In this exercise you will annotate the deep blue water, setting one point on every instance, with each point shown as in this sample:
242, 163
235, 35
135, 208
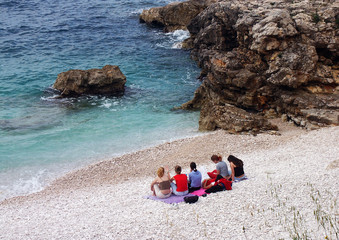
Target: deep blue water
42, 137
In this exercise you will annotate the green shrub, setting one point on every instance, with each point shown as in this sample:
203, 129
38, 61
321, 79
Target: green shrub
316, 18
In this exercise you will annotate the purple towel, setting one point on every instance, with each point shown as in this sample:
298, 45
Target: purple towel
172, 199
176, 199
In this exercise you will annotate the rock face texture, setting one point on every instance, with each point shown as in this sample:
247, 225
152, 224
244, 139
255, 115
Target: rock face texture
264, 59
176, 15
106, 81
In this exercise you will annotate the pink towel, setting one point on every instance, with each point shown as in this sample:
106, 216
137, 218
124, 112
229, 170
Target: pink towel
199, 192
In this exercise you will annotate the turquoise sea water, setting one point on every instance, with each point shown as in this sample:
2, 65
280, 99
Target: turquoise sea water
42, 137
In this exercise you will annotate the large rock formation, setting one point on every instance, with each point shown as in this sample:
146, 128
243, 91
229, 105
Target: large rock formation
176, 15
106, 81
268, 59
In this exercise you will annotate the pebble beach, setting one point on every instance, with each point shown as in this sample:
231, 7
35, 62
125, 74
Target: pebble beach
291, 191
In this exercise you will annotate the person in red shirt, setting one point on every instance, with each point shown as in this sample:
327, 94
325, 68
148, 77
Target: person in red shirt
180, 187
221, 184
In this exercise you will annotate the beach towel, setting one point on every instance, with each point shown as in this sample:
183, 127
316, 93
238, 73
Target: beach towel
239, 180
171, 200
199, 192
176, 199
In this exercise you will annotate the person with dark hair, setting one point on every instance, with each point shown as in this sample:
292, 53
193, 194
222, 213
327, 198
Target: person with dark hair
220, 172
237, 168
194, 178
221, 166
220, 184
161, 185
180, 187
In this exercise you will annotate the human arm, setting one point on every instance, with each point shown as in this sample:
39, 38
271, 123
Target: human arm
232, 170
155, 181
167, 173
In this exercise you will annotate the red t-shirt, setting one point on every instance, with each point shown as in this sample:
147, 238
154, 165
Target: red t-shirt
181, 181
228, 184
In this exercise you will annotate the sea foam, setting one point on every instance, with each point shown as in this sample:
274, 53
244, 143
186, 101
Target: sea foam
174, 39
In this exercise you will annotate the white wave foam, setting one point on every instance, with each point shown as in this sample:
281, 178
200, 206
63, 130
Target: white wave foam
106, 104
180, 35
26, 184
177, 37
31, 179
173, 40
49, 99
137, 11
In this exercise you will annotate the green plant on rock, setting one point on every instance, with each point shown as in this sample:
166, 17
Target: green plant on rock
315, 18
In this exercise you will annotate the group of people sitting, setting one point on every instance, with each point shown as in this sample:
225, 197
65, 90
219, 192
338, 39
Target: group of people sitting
180, 184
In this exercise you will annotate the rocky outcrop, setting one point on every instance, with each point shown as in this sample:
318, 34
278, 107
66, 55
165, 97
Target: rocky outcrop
232, 119
176, 15
268, 59
106, 81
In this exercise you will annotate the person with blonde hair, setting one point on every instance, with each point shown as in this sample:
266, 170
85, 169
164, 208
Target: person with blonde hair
161, 185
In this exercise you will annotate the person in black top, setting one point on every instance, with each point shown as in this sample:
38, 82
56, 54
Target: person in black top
237, 167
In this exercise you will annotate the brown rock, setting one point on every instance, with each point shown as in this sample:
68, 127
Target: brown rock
175, 15
232, 119
266, 59
106, 81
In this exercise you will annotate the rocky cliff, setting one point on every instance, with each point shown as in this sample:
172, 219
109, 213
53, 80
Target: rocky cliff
264, 59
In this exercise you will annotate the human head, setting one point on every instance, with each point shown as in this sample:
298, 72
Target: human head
236, 161
177, 169
161, 172
216, 158
193, 166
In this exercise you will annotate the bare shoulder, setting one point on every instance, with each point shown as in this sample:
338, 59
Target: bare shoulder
156, 180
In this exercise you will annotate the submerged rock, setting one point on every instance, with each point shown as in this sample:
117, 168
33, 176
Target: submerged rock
106, 81
267, 59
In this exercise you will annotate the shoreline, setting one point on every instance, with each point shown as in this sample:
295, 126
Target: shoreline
98, 201
54, 173
103, 169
